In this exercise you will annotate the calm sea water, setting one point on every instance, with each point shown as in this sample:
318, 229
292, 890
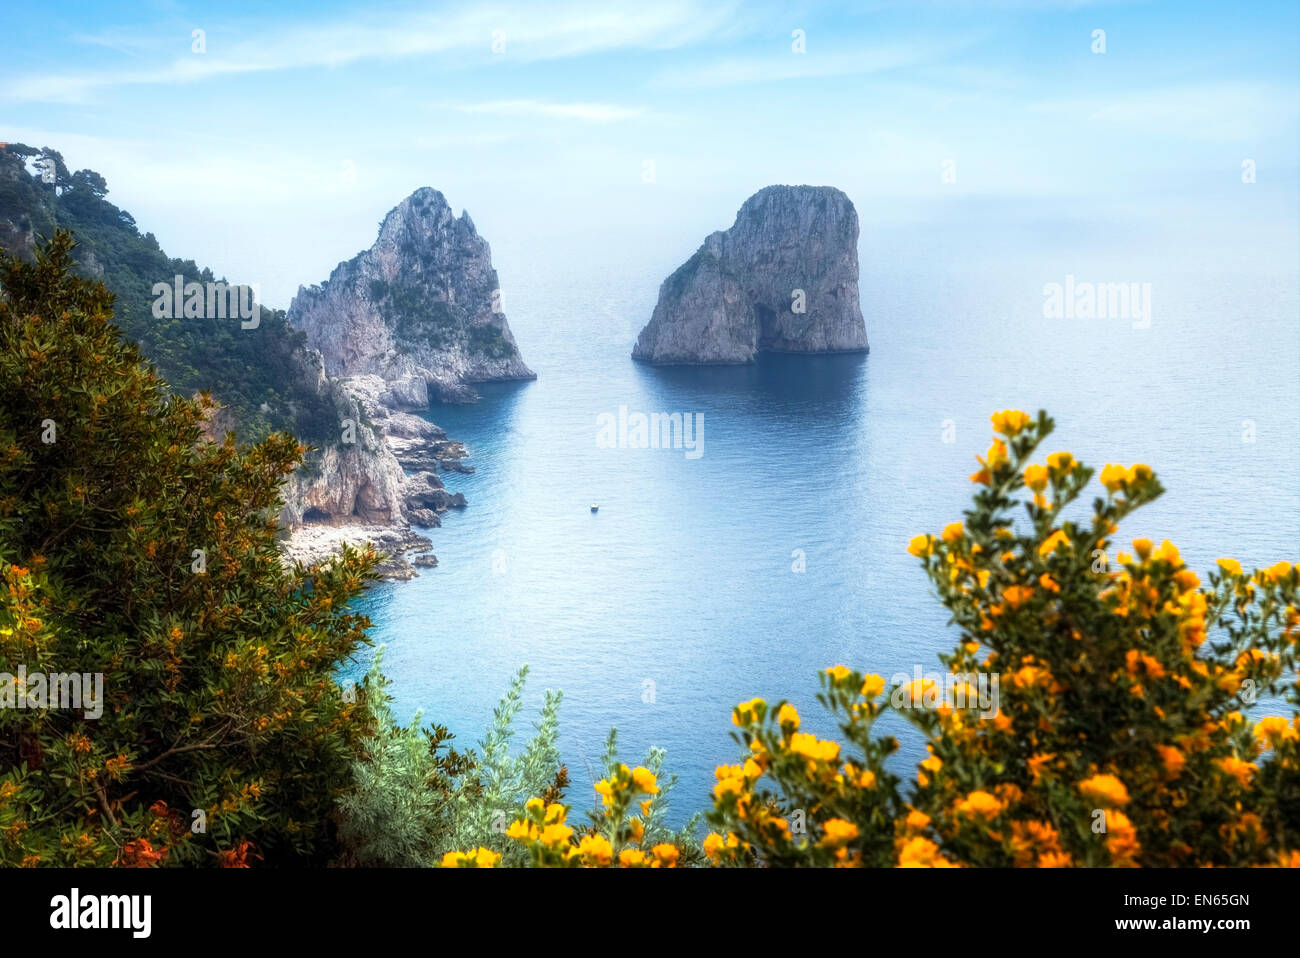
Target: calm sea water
684, 578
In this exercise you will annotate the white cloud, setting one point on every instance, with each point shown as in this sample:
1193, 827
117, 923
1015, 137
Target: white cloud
739, 71
530, 33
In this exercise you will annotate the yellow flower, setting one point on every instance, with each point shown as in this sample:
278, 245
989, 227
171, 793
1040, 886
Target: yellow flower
952, 532
1138, 473
1230, 566
595, 850
980, 804
920, 852
1168, 552
631, 857
1172, 759
1241, 771
479, 858
1276, 572
920, 546
746, 713
1036, 477
1008, 422
1105, 790
1061, 460
872, 685
556, 834
837, 831
809, 746
1272, 730
839, 673
728, 785
1017, 595
1143, 548
1113, 476
918, 821
666, 854
1053, 542
645, 780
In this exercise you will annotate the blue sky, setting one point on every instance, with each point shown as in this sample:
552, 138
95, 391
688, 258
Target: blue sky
273, 154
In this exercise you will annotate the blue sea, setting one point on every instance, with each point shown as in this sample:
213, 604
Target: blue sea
683, 585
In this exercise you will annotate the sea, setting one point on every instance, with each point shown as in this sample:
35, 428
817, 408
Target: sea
780, 548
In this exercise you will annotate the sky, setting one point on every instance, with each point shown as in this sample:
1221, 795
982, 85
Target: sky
270, 145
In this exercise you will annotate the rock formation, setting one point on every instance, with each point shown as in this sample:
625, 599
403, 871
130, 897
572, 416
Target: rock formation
421, 309
359, 491
784, 278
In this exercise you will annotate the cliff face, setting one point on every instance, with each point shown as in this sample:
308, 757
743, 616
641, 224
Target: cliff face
360, 481
421, 309
784, 278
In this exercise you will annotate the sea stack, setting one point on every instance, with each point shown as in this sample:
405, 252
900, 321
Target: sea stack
784, 278
421, 309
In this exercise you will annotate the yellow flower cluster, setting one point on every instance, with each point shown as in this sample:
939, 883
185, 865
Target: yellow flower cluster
479, 858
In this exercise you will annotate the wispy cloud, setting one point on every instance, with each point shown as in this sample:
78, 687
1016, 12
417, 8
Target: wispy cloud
586, 112
737, 71
521, 33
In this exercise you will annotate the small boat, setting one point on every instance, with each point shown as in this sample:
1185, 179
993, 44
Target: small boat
595, 508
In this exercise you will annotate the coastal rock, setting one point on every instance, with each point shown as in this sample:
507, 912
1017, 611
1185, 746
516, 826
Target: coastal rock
317, 542
783, 278
421, 310
359, 481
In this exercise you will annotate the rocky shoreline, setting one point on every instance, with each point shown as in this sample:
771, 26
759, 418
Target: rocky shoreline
374, 490
416, 317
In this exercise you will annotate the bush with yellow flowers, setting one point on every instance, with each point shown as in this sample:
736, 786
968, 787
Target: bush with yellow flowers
1119, 738
625, 831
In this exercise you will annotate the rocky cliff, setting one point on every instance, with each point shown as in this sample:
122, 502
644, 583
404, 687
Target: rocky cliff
421, 309
357, 489
783, 278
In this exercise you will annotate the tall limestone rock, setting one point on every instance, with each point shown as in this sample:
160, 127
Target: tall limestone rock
784, 278
421, 309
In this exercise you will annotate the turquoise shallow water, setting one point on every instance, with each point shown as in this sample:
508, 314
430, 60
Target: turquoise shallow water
684, 578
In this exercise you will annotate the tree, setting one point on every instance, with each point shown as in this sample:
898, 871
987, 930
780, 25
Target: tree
133, 549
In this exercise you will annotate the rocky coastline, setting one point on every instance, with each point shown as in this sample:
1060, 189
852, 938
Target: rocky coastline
416, 318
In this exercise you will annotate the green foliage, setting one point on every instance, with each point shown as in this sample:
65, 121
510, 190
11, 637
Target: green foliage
257, 373
504, 783
217, 675
414, 798
656, 829
398, 811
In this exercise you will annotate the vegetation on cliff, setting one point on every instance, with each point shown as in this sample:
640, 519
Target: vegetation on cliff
257, 373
